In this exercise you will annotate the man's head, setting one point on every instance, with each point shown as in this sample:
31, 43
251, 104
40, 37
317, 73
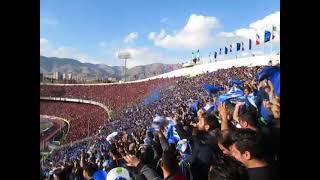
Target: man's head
88, 170
169, 163
247, 90
226, 168
224, 142
247, 146
248, 120
207, 121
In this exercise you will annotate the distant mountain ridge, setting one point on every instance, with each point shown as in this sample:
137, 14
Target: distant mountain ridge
48, 65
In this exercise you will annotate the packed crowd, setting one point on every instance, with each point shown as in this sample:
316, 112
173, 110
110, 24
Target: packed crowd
115, 96
172, 139
84, 119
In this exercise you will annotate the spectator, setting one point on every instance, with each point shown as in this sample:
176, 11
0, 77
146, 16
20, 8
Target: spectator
168, 164
248, 149
226, 168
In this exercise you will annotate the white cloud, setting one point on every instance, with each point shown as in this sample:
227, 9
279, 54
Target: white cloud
49, 50
131, 37
44, 41
196, 33
143, 56
267, 22
258, 27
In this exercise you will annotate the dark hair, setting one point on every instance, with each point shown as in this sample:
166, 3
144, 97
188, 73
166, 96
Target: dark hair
224, 137
248, 87
146, 155
227, 168
249, 140
170, 162
212, 120
250, 117
90, 168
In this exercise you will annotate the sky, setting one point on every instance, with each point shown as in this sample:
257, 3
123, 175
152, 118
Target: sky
164, 31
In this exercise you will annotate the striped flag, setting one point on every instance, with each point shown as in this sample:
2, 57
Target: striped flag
274, 29
258, 39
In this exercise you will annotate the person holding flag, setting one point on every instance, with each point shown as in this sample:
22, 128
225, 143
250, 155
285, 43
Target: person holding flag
215, 55
250, 44
193, 58
198, 55
230, 48
242, 46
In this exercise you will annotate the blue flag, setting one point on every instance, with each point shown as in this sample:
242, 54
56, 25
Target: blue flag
211, 89
235, 95
238, 46
250, 44
172, 136
225, 50
273, 74
232, 94
153, 96
267, 35
233, 82
215, 55
194, 107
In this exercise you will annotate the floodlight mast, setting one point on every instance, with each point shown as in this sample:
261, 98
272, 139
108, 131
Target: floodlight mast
125, 56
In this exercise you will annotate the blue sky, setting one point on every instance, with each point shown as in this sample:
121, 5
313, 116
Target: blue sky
164, 31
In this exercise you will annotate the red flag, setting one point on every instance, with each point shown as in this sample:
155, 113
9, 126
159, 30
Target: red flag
258, 40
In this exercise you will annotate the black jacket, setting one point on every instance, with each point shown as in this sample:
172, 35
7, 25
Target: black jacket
204, 150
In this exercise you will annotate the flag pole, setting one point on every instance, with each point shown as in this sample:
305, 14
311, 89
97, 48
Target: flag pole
271, 46
263, 46
271, 40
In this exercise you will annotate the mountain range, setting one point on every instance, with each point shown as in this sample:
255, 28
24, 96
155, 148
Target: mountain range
49, 65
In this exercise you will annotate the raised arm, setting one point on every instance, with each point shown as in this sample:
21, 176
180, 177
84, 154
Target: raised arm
149, 173
223, 113
236, 111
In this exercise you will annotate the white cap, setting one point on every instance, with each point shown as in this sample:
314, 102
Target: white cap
117, 173
111, 136
182, 145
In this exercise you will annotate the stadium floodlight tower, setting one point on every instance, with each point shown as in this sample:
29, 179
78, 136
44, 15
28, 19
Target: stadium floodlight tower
124, 55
